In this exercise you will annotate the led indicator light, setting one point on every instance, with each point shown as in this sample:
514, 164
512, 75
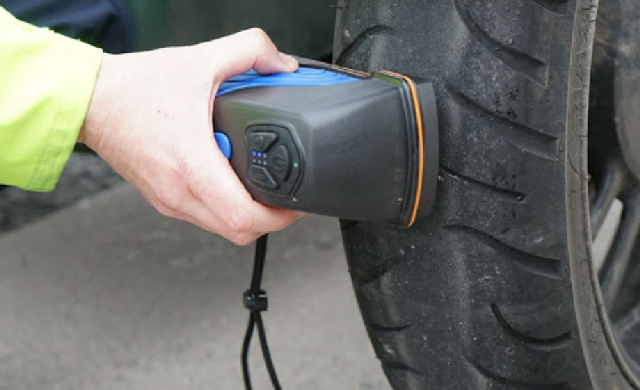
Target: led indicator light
295, 165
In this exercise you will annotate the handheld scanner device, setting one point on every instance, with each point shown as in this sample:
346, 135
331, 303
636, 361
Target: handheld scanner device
333, 141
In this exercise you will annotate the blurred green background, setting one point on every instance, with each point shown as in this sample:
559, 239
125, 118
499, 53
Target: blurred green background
302, 27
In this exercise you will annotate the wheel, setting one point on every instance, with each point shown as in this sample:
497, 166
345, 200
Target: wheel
497, 289
614, 167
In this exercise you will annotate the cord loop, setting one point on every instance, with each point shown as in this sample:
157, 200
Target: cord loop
255, 299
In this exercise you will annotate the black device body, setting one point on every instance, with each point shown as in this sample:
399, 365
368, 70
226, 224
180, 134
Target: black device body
364, 150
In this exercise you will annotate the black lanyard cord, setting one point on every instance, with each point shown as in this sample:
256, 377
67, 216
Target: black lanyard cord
255, 300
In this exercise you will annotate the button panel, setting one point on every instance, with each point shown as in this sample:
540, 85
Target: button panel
260, 141
275, 163
261, 176
280, 162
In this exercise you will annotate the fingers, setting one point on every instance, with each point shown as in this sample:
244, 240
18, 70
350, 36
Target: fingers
216, 185
201, 217
231, 202
251, 216
181, 204
239, 227
212, 197
249, 49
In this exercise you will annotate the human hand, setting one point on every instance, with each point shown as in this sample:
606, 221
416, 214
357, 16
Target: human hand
150, 118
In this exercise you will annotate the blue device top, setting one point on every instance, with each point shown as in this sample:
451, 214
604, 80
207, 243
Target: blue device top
304, 76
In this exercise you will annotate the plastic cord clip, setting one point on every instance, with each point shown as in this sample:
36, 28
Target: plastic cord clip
255, 300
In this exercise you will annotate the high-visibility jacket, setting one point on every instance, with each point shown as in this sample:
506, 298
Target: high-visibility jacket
46, 82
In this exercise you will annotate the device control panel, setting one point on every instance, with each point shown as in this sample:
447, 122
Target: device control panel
275, 163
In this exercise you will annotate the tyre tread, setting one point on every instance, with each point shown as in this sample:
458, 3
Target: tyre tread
534, 264
438, 307
511, 195
530, 67
523, 137
560, 341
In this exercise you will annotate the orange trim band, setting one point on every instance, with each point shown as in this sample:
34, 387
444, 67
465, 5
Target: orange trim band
351, 70
416, 105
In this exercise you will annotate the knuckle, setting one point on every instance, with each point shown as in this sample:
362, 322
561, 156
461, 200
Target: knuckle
181, 171
260, 37
173, 194
162, 209
241, 221
170, 199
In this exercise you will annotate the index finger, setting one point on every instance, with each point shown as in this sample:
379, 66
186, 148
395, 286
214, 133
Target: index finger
249, 49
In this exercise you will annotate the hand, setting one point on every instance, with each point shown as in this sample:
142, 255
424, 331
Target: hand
150, 118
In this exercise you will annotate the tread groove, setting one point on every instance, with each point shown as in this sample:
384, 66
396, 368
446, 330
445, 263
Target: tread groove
556, 342
523, 63
398, 366
511, 195
523, 137
369, 275
383, 328
361, 38
557, 7
513, 383
538, 265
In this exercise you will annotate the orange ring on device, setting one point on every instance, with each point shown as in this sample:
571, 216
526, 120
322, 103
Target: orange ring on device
416, 105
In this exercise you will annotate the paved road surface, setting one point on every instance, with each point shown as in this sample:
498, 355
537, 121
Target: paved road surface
109, 295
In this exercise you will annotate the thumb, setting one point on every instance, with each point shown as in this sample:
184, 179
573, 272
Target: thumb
249, 49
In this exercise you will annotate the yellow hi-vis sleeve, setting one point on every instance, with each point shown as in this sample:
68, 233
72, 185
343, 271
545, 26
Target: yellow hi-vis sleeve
46, 82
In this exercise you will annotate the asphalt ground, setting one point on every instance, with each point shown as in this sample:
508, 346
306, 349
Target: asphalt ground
98, 291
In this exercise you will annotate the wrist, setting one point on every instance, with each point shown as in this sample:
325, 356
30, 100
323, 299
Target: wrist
99, 107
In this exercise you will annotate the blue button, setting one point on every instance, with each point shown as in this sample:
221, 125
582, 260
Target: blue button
223, 143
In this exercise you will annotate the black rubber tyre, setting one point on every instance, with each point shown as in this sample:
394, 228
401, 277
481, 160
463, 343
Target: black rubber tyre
495, 290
